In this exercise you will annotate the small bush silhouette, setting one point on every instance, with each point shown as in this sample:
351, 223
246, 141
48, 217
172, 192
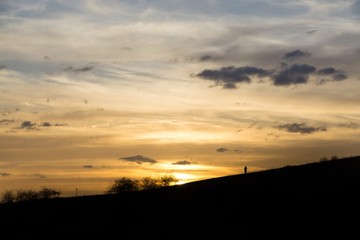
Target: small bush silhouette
123, 184
148, 183
10, 196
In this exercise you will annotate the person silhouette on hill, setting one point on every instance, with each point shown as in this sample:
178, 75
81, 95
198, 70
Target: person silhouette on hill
245, 169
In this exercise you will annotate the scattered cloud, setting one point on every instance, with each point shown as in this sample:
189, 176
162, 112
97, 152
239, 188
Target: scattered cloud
183, 162
27, 125
6, 121
208, 57
5, 174
78, 70
88, 166
222, 149
139, 159
351, 125
302, 128
335, 74
291, 56
39, 175
229, 76
293, 74
271, 136
45, 124
60, 124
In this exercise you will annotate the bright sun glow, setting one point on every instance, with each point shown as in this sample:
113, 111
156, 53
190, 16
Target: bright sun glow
183, 177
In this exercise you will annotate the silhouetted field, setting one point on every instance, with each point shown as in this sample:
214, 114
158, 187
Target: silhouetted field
312, 201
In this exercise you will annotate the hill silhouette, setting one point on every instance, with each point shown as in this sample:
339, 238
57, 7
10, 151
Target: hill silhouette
315, 200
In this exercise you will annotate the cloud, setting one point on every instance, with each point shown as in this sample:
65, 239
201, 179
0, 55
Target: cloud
184, 162
5, 174
221, 150
208, 57
293, 74
27, 125
6, 121
349, 125
302, 128
139, 159
39, 175
78, 70
88, 166
45, 124
229, 76
31, 125
335, 74
356, 6
291, 56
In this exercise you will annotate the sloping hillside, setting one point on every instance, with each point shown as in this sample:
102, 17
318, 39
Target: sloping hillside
316, 199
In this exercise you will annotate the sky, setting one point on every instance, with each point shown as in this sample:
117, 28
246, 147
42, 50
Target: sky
95, 90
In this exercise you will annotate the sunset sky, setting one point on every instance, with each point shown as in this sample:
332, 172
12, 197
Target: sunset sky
94, 90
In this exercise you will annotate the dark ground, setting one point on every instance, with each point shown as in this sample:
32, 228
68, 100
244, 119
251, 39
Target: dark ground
311, 201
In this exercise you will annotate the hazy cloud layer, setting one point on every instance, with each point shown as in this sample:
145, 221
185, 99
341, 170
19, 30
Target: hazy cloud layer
139, 159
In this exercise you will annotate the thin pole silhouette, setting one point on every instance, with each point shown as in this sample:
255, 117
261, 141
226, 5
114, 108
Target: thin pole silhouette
245, 170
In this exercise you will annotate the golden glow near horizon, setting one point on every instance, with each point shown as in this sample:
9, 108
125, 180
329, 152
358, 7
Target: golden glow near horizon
96, 90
